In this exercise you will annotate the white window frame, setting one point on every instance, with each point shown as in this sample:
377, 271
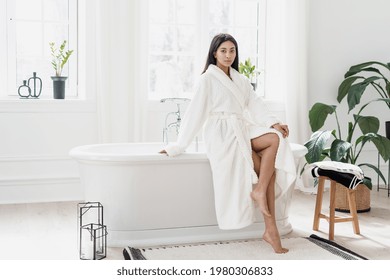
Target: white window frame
84, 62
203, 42
8, 91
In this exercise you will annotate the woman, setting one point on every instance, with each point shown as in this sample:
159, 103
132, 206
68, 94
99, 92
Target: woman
245, 145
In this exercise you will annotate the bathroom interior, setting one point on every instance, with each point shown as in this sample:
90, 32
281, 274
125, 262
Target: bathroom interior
134, 65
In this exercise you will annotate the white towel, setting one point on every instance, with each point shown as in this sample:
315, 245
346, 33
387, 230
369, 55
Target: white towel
336, 169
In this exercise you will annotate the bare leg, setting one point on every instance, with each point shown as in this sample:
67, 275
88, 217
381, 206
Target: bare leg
266, 146
271, 233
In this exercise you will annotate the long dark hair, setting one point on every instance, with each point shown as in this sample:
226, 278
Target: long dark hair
214, 45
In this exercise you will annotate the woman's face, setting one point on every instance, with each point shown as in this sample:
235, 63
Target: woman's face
225, 55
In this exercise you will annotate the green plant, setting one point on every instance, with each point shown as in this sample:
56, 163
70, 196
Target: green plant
248, 69
355, 85
347, 149
60, 57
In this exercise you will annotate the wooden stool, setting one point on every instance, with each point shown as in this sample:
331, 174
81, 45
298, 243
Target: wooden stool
332, 218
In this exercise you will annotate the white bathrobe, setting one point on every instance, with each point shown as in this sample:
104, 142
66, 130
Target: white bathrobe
232, 115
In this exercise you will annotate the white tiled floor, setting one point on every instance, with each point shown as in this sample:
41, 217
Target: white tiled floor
49, 230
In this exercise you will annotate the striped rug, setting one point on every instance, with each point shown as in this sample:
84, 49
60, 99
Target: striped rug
301, 248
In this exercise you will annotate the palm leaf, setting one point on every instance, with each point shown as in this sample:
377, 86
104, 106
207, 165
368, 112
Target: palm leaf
367, 124
318, 114
376, 169
359, 67
345, 86
356, 91
383, 146
339, 149
316, 145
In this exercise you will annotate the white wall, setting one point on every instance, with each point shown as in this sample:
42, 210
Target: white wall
343, 33
34, 146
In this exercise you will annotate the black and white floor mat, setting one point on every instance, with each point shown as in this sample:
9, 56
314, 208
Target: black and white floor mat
301, 248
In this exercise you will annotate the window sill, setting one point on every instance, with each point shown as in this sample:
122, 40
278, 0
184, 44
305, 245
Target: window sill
46, 105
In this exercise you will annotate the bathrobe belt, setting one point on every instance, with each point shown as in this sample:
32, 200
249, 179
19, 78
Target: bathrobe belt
226, 115
243, 143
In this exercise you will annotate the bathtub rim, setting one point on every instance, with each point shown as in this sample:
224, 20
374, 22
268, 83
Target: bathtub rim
83, 155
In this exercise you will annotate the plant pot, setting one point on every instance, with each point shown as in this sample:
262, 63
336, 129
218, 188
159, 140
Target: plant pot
388, 129
59, 87
363, 199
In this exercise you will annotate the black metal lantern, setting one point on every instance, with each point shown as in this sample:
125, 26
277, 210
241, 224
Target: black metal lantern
92, 231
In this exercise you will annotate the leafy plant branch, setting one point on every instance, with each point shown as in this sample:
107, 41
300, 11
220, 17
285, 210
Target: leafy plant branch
60, 57
354, 86
248, 69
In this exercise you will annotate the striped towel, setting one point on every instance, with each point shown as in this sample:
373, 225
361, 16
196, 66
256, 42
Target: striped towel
346, 174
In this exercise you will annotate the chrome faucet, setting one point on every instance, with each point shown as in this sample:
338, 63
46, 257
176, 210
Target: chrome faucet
177, 114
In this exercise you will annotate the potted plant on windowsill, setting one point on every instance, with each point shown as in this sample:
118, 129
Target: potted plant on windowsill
347, 148
249, 70
60, 58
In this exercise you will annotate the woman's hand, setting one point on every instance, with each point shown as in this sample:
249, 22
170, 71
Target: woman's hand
282, 128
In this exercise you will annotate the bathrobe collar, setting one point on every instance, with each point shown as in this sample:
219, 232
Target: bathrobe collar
231, 84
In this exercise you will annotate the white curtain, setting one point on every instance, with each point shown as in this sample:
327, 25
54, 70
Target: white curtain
120, 108
296, 84
287, 62
287, 25
295, 70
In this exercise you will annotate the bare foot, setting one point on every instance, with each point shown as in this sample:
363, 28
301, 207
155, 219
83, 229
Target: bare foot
261, 201
274, 241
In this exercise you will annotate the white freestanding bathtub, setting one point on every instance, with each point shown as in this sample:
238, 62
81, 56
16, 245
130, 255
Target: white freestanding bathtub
152, 199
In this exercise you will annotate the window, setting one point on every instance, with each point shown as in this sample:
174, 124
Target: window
30, 26
180, 32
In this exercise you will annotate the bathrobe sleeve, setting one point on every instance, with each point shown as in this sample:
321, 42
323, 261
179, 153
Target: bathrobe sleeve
258, 111
194, 118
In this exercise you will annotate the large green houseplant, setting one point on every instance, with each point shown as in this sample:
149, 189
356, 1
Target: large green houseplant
347, 147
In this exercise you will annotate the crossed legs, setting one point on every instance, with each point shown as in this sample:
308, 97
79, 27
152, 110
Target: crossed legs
264, 150
265, 147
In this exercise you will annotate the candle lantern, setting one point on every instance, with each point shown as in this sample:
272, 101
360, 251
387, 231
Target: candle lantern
92, 231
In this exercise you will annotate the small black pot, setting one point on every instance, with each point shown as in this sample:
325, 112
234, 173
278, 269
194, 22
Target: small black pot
388, 129
59, 87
